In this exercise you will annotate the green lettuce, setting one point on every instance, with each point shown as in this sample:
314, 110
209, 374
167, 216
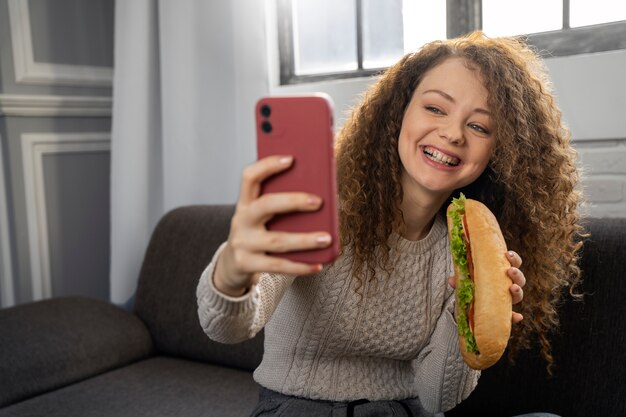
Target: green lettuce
465, 286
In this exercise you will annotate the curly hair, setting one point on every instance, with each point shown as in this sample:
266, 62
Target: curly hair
530, 183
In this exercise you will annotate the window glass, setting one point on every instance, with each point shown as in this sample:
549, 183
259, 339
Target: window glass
424, 21
322, 39
382, 32
586, 12
324, 36
514, 17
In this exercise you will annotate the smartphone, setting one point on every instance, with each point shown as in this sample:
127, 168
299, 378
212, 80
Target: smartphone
301, 126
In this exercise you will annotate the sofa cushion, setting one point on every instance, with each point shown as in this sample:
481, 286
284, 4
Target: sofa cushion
158, 386
53, 343
181, 247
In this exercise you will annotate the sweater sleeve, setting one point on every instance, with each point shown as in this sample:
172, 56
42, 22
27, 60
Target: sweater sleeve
443, 378
228, 319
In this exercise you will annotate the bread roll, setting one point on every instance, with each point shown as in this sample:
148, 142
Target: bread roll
492, 303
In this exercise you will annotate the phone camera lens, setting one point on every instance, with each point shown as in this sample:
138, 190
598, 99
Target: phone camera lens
266, 110
266, 127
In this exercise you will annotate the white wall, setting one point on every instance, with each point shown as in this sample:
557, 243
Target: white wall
592, 94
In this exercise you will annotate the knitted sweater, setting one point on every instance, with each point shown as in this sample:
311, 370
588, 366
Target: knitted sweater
395, 338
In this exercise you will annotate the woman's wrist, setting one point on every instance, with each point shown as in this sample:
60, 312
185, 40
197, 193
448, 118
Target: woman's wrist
229, 291
220, 282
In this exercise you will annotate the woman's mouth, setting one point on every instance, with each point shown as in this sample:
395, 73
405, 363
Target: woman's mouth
439, 157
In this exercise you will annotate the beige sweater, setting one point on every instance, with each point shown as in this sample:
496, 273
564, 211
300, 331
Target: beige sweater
323, 342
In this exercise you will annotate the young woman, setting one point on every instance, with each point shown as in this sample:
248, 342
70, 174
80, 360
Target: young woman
374, 333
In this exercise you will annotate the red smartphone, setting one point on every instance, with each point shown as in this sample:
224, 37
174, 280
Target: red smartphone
301, 126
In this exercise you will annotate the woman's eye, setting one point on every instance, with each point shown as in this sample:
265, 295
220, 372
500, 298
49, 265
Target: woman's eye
434, 110
479, 128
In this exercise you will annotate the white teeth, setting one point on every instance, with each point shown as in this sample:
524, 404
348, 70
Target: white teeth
437, 156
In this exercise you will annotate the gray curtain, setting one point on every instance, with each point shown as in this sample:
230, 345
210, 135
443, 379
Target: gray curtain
187, 76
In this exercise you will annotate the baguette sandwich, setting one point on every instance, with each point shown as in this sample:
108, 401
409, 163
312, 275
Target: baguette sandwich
483, 299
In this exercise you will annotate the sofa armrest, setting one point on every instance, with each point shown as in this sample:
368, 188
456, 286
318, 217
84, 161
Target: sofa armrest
49, 344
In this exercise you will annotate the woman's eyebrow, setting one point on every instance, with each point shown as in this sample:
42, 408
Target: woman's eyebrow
441, 93
451, 99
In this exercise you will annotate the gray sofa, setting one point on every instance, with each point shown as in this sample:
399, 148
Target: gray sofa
82, 357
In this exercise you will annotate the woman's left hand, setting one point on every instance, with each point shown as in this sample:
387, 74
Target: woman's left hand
519, 280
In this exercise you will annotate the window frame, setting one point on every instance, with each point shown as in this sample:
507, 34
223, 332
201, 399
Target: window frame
463, 16
287, 57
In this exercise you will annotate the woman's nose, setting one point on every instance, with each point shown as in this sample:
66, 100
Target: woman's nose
453, 132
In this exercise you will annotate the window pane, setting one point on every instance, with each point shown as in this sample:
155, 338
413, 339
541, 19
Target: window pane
593, 12
382, 32
324, 36
514, 17
424, 21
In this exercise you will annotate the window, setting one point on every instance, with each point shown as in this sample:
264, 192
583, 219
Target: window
326, 39
330, 39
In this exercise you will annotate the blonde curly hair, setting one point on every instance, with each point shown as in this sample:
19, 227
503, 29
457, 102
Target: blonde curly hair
530, 183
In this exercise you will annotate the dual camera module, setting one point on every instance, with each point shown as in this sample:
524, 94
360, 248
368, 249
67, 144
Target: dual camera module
266, 111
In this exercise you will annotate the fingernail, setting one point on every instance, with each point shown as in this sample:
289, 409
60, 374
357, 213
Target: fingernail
313, 200
285, 160
511, 254
323, 239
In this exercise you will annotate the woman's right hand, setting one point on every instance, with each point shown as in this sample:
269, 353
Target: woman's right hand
249, 241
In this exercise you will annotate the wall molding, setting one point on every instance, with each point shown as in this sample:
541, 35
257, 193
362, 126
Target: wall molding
7, 291
34, 147
30, 105
28, 71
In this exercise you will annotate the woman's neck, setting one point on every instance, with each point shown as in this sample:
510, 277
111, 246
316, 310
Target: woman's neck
419, 214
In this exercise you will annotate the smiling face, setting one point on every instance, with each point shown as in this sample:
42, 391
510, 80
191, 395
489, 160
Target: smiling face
446, 138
